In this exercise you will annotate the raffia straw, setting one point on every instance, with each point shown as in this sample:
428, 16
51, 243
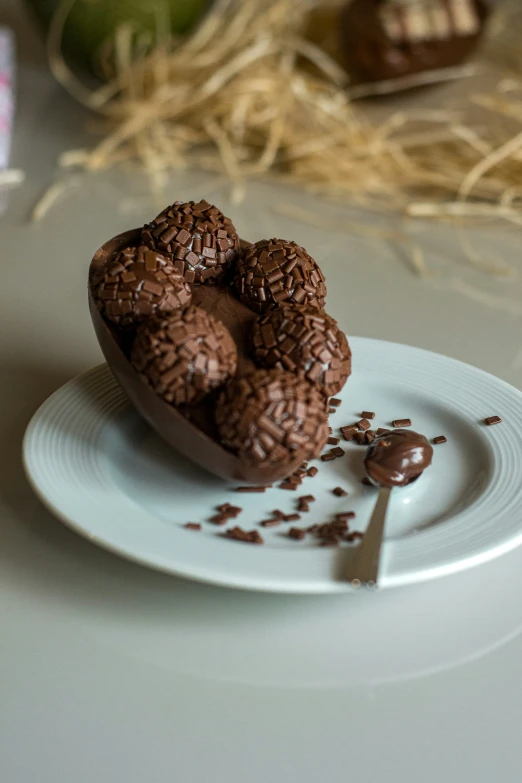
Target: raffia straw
248, 95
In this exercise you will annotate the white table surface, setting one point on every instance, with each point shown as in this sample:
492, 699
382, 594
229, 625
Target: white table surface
109, 672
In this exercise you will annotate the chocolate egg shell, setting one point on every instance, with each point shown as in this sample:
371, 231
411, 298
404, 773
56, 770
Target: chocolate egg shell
387, 39
195, 437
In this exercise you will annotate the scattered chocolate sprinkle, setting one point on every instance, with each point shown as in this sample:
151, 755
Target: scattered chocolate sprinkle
313, 528
348, 433
368, 415
250, 489
440, 439
278, 514
370, 436
344, 515
330, 542
274, 272
288, 485
328, 457
335, 402
360, 437
248, 536
333, 441
193, 526
382, 431
339, 492
492, 420
332, 410
303, 507
292, 517
355, 536
313, 471
363, 425
296, 533
270, 523
338, 452
308, 498
219, 519
400, 423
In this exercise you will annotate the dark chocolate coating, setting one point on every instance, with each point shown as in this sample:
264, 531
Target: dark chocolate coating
397, 458
138, 283
192, 431
275, 272
371, 55
199, 239
305, 341
269, 415
185, 355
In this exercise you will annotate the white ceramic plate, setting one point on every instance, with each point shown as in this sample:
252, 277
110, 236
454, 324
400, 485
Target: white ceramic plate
105, 473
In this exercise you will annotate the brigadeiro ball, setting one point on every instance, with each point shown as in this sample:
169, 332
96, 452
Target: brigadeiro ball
201, 242
269, 417
184, 356
138, 283
306, 341
274, 272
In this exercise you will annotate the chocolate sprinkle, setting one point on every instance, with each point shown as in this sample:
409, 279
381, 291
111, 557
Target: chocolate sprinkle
306, 341
250, 489
274, 271
192, 526
400, 423
296, 533
339, 492
270, 417
368, 415
201, 242
440, 439
185, 355
492, 420
247, 536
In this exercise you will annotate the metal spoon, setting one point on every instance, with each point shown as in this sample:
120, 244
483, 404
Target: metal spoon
364, 569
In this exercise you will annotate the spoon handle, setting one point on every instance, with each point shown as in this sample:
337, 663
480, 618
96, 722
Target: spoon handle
365, 565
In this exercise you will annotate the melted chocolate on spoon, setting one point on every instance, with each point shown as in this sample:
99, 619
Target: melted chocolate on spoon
397, 458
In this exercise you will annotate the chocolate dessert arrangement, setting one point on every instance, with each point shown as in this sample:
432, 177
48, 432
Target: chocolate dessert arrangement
388, 39
223, 346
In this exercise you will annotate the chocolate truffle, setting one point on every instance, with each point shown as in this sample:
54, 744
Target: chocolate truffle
397, 458
138, 283
274, 272
306, 341
387, 39
269, 417
185, 355
201, 242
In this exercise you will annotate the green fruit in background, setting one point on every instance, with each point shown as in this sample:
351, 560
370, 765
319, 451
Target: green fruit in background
91, 24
